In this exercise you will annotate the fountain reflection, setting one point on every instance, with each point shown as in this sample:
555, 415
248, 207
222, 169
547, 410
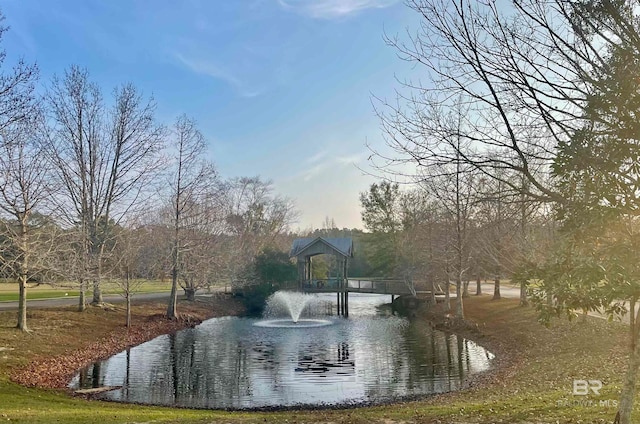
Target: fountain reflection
287, 323
331, 362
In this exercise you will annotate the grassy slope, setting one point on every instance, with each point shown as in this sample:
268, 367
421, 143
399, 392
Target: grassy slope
537, 367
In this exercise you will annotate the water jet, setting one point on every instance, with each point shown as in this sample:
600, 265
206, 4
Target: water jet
288, 303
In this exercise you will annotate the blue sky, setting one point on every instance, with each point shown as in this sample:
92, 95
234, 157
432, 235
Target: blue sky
280, 88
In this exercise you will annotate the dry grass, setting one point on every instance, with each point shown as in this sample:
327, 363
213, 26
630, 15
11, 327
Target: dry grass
531, 384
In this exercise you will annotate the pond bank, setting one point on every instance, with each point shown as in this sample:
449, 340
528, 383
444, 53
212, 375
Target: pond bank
55, 372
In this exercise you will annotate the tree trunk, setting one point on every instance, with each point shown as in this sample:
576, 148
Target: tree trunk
459, 300
432, 294
173, 297
628, 391
496, 288
97, 291
465, 290
190, 294
172, 312
82, 303
447, 297
128, 298
128, 309
24, 274
478, 286
96, 374
524, 301
22, 304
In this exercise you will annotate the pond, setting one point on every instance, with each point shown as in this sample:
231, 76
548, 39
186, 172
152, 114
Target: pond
238, 363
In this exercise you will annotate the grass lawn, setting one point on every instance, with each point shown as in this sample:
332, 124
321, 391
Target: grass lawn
532, 381
9, 291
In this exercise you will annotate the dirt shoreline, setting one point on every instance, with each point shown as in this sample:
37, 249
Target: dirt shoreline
55, 372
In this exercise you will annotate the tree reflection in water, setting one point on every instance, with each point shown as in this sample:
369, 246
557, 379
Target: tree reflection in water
230, 363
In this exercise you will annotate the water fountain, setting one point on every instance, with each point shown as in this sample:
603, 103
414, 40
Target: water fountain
290, 305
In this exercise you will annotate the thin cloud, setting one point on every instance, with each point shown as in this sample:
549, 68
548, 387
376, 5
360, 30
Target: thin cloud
331, 9
314, 171
349, 159
321, 164
317, 157
214, 71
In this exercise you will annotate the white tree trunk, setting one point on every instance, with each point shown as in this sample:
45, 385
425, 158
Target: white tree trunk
22, 304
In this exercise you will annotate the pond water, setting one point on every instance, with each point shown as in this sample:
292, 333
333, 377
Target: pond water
238, 363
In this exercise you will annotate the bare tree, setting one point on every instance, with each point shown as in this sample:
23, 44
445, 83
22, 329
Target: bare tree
453, 189
16, 89
420, 239
550, 87
494, 226
450, 180
24, 186
516, 75
202, 259
190, 185
19, 186
153, 236
105, 158
256, 218
122, 262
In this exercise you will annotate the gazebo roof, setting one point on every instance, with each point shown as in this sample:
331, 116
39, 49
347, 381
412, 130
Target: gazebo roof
341, 245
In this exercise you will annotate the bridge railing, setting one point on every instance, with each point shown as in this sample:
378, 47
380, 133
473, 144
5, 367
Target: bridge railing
355, 285
382, 286
321, 284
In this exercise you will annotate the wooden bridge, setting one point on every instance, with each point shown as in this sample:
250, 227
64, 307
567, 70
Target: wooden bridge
342, 250
391, 287
353, 285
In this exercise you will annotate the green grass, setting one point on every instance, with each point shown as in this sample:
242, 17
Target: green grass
41, 294
536, 368
9, 290
20, 405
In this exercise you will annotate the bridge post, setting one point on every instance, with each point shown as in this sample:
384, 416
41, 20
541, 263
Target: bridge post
346, 303
302, 272
338, 311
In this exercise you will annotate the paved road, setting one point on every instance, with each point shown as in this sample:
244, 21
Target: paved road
73, 301
512, 292
506, 290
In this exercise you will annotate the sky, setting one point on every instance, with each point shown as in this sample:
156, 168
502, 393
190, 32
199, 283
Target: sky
280, 88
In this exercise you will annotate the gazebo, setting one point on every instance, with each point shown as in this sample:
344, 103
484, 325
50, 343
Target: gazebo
304, 249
